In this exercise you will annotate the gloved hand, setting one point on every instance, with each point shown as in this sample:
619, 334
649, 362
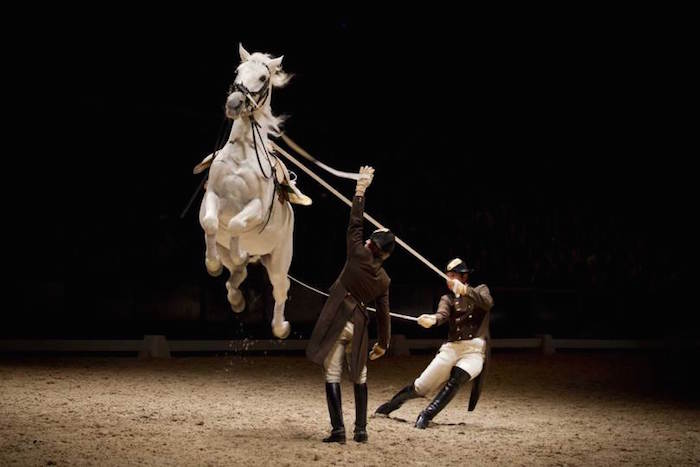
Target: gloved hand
376, 352
457, 287
366, 176
427, 321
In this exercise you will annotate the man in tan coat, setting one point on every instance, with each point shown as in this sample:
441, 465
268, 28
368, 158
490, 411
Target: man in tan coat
340, 334
463, 357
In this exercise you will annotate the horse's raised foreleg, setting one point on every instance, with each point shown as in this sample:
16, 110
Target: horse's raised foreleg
249, 217
239, 271
277, 264
209, 220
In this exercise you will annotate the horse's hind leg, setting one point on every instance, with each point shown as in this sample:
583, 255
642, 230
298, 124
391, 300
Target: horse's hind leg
239, 271
277, 264
209, 220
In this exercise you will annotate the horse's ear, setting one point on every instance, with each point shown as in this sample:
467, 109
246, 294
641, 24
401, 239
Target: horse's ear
275, 63
243, 53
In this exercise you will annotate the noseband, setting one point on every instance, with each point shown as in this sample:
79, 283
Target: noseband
254, 99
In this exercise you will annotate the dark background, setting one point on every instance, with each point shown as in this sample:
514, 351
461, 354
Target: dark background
544, 147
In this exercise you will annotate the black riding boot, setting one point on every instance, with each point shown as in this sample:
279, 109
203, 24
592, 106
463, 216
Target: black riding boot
360, 413
409, 392
335, 410
457, 377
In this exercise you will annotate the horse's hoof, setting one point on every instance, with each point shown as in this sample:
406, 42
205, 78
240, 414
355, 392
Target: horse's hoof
236, 299
214, 267
237, 305
282, 332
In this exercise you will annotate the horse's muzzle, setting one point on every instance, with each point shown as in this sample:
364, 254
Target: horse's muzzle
234, 104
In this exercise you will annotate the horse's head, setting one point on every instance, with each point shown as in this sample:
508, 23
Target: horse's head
255, 77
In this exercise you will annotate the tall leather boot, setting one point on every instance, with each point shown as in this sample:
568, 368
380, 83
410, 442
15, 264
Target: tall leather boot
335, 410
409, 392
360, 413
457, 377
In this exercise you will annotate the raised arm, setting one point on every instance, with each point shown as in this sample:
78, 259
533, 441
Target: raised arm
355, 225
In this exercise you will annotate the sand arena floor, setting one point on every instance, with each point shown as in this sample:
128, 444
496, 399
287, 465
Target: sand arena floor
566, 409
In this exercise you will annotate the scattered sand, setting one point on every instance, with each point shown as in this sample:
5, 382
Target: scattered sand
567, 409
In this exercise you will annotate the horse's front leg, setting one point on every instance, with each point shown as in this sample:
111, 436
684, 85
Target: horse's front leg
249, 217
209, 220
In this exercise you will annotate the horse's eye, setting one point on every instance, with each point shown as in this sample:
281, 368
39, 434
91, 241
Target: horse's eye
263, 78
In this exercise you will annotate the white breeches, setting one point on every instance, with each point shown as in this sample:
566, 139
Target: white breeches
466, 354
341, 351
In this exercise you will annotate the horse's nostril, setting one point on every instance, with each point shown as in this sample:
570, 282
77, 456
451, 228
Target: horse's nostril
234, 102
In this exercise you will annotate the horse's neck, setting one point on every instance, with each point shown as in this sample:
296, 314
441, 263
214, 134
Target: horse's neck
242, 132
249, 152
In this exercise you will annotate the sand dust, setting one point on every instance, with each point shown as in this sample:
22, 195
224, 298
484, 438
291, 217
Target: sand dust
566, 409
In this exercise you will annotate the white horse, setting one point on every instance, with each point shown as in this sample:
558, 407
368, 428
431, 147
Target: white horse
245, 212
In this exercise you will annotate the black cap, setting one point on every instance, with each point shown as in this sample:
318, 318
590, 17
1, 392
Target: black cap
459, 266
384, 240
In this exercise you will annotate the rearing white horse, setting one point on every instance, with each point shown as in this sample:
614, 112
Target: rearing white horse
245, 212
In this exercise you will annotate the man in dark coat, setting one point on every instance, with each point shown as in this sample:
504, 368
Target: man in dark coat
341, 330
